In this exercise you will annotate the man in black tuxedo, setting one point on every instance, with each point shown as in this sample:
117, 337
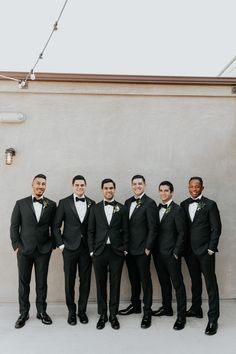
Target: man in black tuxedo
167, 253
73, 213
204, 229
31, 238
108, 241
142, 234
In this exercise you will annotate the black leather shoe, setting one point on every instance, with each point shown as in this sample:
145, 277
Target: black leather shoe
193, 313
21, 321
129, 310
102, 321
146, 321
83, 317
162, 312
114, 322
179, 324
211, 328
72, 320
44, 318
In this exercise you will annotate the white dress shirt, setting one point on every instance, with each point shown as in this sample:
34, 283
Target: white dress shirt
37, 208
109, 212
81, 207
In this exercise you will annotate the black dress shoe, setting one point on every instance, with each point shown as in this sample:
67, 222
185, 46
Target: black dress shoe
102, 321
129, 310
72, 320
44, 318
114, 322
146, 321
162, 312
21, 321
83, 317
193, 313
179, 324
211, 328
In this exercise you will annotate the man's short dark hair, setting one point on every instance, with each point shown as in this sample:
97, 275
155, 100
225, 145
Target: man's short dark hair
78, 177
138, 176
167, 183
197, 178
40, 175
107, 180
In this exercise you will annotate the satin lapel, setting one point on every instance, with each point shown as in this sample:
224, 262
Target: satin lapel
29, 202
102, 210
198, 211
89, 204
72, 205
114, 212
138, 206
167, 212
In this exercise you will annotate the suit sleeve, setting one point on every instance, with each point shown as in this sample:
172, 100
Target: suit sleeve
215, 224
181, 227
91, 229
151, 214
58, 220
15, 226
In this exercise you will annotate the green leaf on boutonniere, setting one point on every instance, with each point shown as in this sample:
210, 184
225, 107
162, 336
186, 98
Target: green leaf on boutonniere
168, 209
201, 205
138, 204
45, 203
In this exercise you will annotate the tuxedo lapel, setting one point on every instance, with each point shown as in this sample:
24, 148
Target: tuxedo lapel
29, 203
138, 206
167, 212
102, 210
200, 207
89, 204
72, 205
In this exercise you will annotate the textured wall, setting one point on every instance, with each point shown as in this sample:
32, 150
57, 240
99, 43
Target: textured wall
117, 130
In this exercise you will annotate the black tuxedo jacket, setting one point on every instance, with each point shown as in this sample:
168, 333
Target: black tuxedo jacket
142, 225
205, 229
26, 232
73, 228
99, 230
171, 232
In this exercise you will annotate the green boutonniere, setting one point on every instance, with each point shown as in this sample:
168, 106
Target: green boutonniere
45, 203
168, 209
201, 205
116, 209
138, 203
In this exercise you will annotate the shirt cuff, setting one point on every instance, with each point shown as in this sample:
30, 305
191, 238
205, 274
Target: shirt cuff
210, 252
62, 247
91, 254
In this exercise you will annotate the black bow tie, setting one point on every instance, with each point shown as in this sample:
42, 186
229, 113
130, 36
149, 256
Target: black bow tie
194, 200
79, 199
35, 200
163, 206
137, 200
110, 203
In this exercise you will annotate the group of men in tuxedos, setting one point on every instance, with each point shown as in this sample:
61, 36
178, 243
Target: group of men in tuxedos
106, 234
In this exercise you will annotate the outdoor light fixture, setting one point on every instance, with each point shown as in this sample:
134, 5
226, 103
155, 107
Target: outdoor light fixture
9, 153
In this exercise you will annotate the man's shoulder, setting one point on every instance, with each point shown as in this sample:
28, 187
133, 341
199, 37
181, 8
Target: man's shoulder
49, 201
90, 201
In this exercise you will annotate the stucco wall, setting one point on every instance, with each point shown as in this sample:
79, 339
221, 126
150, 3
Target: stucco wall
117, 130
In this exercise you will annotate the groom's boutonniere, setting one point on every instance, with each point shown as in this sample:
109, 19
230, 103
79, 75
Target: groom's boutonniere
138, 203
89, 204
201, 205
168, 209
45, 203
116, 209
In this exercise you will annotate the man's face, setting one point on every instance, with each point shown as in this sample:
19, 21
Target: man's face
38, 187
138, 186
165, 193
108, 191
79, 187
195, 188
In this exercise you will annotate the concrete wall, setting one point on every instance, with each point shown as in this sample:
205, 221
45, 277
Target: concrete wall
117, 130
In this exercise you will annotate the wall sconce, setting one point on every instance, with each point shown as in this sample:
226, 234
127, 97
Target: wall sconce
9, 153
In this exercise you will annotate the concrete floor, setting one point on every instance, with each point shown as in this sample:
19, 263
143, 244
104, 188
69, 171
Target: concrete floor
61, 338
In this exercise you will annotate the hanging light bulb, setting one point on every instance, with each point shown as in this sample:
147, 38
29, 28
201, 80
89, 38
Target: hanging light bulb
9, 153
32, 75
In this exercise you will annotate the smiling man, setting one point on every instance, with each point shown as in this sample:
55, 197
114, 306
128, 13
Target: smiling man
204, 229
142, 234
108, 242
73, 213
167, 253
31, 238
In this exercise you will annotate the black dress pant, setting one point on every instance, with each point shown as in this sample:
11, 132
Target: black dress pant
169, 272
108, 262
77, 259
139, 275
25, 264
204, 264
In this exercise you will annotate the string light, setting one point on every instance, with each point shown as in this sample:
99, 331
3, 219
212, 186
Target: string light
31, 74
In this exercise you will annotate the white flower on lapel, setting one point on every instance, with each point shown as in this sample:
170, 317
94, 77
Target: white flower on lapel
45, 203
201, 205
116, 209
89, 204
138, 204
168, 209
